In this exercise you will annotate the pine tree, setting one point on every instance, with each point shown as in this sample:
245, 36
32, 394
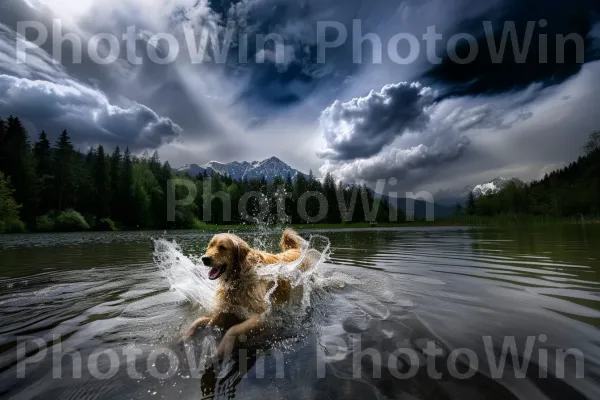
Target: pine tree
154, 163
164, 175
290, 208
593, 143
3, 146
300, 187
359, 211
116, 161
43, 155
64, 174
329, 188
370, 204
276, 197
125, 193
102, 184
43, 161
471, 204
84, 193
20, 167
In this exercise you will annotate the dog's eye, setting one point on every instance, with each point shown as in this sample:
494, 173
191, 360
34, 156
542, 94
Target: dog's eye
221, 247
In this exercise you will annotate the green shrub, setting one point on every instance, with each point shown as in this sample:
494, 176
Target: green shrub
70, 221
9, 209
45, 223
12, 226
106, 224
17, 226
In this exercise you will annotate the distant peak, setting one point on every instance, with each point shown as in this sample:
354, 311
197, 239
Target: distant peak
269, 168
186, 166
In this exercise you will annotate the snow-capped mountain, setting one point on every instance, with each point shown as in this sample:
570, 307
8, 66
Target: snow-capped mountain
191, 169
451, 197
269, 168
235, 170
493, 186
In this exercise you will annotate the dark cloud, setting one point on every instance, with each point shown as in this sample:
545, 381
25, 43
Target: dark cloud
362, 126
280, 85
483, 75
86, 112
43, 94
399, 163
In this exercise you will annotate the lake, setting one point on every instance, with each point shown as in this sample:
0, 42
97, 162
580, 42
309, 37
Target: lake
407, 313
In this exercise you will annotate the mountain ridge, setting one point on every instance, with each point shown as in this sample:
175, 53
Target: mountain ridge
273, 167
269, 168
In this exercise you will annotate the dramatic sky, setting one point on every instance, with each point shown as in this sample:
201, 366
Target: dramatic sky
426, 118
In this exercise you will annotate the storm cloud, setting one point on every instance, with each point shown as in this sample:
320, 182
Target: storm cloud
44, 95
397, 163
553, 41
362, 126
86, 112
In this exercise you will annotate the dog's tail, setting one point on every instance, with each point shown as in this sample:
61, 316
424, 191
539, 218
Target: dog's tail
291, 240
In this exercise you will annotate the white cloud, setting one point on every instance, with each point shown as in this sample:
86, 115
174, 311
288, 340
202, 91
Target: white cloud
398, 163
362, 126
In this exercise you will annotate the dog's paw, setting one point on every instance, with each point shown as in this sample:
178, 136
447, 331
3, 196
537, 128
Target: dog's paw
185, 338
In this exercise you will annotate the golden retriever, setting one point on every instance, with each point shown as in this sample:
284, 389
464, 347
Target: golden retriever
240, 299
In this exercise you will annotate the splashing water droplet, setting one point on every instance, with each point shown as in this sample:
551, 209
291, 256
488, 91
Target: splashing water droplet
185, 276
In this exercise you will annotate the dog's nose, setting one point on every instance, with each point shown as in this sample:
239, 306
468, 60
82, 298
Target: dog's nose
206, 260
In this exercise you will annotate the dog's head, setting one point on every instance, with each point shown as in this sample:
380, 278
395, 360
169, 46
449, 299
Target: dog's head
225, 255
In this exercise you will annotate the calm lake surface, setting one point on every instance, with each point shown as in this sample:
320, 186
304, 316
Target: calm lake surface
388, 289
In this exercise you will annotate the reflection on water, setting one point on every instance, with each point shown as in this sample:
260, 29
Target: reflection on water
396, 289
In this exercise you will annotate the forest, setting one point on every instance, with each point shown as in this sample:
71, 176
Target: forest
48, 186
573, 191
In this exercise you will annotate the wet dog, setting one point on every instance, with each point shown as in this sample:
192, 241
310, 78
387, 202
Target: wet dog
240, 301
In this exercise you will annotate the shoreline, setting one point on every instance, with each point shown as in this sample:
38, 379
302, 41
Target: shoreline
474, 222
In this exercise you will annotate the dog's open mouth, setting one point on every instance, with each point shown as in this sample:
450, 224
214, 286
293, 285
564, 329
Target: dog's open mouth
216, 272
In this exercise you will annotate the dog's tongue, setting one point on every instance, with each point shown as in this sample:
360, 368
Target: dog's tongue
214, 273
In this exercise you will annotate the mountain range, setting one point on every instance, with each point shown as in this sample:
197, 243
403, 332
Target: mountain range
273, 167
270, 169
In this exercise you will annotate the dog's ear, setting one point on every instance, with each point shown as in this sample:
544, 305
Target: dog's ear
241, 251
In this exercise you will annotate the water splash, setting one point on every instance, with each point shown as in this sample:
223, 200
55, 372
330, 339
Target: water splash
184, 274
315, 252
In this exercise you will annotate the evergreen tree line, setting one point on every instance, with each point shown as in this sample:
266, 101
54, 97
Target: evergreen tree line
568, 192
52, 186
299, 201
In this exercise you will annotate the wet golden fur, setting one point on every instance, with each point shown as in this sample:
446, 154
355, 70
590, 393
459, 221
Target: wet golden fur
240, 299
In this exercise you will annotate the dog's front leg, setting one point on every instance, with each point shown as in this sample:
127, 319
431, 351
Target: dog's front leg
200, 322
251, 325
220, 320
